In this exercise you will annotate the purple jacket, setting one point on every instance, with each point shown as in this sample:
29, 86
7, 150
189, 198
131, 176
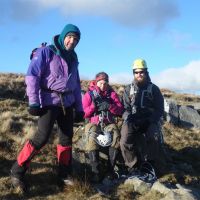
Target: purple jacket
48, 71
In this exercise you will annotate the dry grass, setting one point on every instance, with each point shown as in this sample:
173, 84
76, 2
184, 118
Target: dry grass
183, 147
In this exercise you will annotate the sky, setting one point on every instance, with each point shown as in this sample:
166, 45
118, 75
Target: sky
113, 34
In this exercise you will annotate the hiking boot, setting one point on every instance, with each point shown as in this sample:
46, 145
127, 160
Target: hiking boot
65, 175
112, 175
147, 172
95, 178
18, 183
68, 180
133, 172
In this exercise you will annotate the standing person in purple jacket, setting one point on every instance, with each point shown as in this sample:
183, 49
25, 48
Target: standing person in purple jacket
54, 91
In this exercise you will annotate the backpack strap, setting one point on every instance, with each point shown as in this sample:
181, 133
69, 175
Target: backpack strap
96, 98
149, 94
149, 90
132, 96
43, 44
133, 93
94, 95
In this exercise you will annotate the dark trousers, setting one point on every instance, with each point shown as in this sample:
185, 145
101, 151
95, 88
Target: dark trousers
140, 145
46, 122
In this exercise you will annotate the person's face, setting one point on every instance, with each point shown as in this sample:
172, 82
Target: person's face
140, 75
102, 84
70, 41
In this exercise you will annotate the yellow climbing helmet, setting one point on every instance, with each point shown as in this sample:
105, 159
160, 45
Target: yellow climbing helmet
139, 64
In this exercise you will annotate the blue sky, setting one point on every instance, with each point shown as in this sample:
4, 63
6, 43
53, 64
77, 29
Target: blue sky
113, 33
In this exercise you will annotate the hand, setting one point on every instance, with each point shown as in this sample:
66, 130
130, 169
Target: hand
35, 110
141, 125
141, 122
79, 116
153, 132
104, 106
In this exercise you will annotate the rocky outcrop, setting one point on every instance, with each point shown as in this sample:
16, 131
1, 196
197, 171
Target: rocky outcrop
185, 116
176, 192
189, 117
171, 111
166, 191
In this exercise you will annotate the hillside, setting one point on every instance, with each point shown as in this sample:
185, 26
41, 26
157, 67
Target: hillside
16, 125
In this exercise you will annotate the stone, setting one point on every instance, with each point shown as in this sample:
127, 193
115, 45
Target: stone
139, 186
171, 111
160, 187
189, 117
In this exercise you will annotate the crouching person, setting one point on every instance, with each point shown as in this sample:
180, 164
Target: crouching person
141, 136
101, 103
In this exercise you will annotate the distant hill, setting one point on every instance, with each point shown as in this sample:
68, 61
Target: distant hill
13, 86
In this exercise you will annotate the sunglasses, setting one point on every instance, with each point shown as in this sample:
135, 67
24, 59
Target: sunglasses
140, 72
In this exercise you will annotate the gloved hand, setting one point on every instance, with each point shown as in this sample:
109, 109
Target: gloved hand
103, 106
79, 116
140, 125
34, 109
153, 132
141, 122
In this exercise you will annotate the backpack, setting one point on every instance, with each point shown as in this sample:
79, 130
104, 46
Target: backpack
133, 91
43, 44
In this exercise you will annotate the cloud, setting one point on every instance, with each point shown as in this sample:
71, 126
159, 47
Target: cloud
121, 78
133, 13
180, 79
184, 79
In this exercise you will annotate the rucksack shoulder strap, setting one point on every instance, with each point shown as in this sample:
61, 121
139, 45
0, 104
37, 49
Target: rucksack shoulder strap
94, 95
132, 92
149, 90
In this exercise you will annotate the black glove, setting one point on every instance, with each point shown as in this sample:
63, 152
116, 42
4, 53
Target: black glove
104, 106
140, 125
141, 122
35, 110
79, 116
153, 132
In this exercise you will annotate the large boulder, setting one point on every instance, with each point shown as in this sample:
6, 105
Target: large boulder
185, 116
189, 117
171, 111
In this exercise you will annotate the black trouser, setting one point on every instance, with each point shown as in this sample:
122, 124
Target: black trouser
140, 144
46, 122
51, 115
